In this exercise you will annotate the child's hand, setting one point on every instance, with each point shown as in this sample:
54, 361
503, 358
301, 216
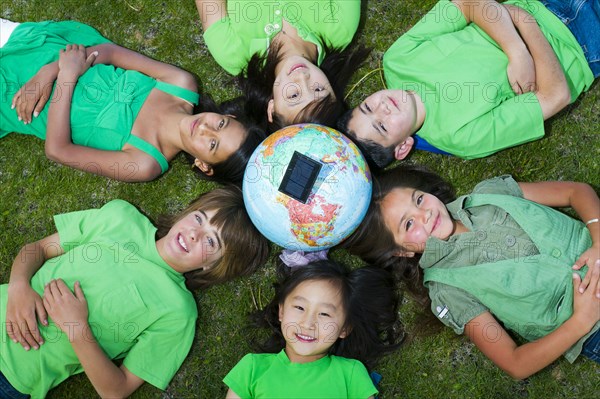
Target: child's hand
589, 257
586, 305
33, 95
22, 307
73, 63
521, 72
69, 311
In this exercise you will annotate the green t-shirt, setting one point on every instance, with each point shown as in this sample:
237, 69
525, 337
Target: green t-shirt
495, 238
139, 307
250, 26
271, 375
460, 74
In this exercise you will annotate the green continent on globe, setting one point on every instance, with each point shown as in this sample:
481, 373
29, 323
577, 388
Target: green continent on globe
310, 222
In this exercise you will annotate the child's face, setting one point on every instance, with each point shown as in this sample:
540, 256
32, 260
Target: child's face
192, 243
386, 117
211, 138
413, 216
298, 82
312, 317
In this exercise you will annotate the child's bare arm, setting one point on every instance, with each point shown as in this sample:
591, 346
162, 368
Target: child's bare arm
496, 21
522, 361
552, 90
33, 95
24, 306
126, 165
69, 311
231, 395
121, 57
211, 11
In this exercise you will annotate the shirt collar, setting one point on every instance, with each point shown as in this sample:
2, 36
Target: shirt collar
437, 249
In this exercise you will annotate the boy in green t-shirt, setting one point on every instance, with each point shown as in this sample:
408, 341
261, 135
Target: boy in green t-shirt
472, 78
107, 285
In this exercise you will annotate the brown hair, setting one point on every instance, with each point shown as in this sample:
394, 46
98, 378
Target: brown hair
375, 243
244, 248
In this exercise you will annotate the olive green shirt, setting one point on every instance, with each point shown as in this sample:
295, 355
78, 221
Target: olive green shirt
499, 264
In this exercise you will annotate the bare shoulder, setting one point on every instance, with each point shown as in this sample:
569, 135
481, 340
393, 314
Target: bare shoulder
137, 166
183, 79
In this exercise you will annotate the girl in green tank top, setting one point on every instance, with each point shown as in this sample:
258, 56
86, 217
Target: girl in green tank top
114, 112
500, 257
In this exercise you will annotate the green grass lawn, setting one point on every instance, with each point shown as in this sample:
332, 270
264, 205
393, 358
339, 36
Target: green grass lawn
32, 189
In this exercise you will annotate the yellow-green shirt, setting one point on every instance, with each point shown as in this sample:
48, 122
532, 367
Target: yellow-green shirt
139, 307
250, 26
460, 74
270, 375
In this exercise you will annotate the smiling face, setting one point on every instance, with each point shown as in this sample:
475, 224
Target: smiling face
211, 138
192, 243
312, 319
413, 216
387, 117
298, 82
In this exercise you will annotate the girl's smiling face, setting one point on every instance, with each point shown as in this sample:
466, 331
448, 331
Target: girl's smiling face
312, 319
298, 82
192, 243
413, 216
211, 138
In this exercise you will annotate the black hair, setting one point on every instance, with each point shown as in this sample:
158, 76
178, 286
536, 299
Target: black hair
232, 169
374, 242
377, 156
258, 78
370, 301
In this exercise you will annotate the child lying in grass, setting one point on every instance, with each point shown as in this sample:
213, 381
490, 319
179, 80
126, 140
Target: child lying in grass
113, 112
112, 290
475, 77
497, 258
325, 320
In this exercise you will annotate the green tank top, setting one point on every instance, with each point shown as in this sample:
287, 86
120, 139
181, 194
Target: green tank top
106, 100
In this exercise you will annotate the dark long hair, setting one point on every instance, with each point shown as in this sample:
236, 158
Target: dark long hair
244, 248
370, 301
258, 79
374, 242
232, 169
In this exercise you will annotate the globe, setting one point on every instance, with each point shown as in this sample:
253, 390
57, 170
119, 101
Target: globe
307, 187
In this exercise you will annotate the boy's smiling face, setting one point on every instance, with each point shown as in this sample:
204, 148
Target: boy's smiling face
192, 243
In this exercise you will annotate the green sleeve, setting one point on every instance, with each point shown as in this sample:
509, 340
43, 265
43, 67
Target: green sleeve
160, 350
499, 185
443, 18
340, 21
454, 307
361, 385
226, 46
80, 227
73, 227
239, 379
515, 121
